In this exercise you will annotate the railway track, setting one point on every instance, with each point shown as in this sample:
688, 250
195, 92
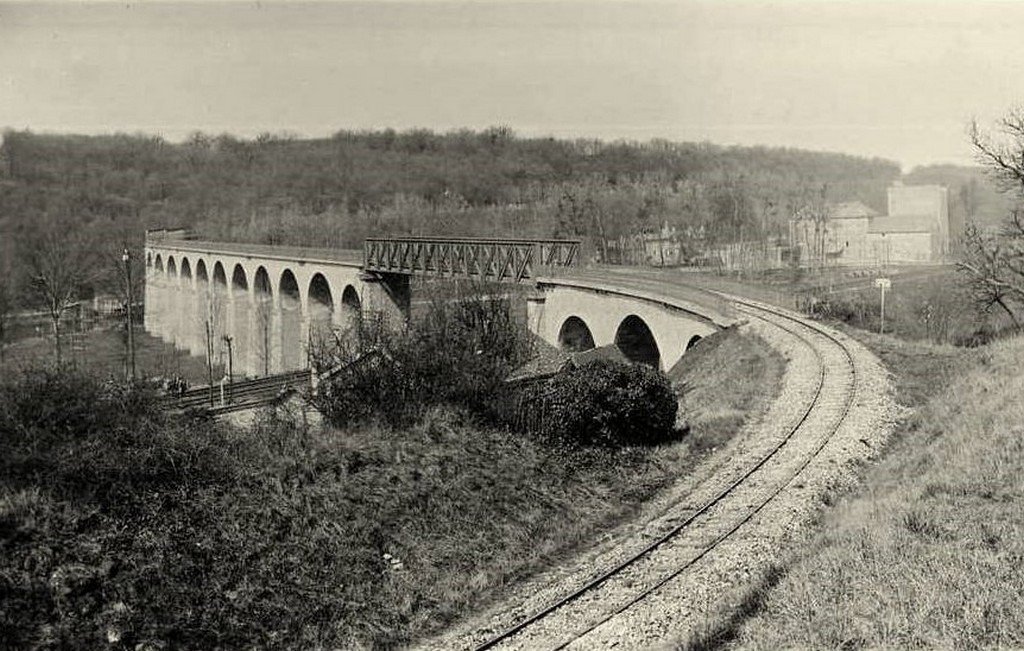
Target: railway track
238, 396
596, 612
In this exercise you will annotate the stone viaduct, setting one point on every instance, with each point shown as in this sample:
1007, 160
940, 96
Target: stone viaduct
264, 306
581, 311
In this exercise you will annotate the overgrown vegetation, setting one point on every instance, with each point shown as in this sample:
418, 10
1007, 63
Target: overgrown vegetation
121, 527
456, 352
601, 403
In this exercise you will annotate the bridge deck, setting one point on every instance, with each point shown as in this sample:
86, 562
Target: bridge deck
346, 257
657, 286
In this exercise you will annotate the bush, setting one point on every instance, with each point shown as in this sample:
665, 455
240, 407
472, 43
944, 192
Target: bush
89, 438
46, 403
602, 403
456, 354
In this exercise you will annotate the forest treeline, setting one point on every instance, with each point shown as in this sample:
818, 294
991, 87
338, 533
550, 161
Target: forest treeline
101, 192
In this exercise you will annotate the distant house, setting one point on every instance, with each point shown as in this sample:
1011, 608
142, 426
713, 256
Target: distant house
668, 245
915, 230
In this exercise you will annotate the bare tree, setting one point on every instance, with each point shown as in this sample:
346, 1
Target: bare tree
993, 262
59, 265
1002, 154
994, 266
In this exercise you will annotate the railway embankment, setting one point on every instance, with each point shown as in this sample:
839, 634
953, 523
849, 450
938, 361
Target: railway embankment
673, 566
927, 552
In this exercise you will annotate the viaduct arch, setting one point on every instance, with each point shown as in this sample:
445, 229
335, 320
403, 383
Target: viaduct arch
268, 301
578, 313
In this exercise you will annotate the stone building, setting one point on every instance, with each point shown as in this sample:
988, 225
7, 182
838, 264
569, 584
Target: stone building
915, 230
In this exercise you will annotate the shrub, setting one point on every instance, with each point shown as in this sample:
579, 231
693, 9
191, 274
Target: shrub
602, 403
456, 354
86, 437
57, 402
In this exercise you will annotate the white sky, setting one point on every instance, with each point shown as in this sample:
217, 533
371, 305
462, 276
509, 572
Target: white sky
899, 80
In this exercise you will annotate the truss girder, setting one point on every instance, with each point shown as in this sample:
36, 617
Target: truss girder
484, 259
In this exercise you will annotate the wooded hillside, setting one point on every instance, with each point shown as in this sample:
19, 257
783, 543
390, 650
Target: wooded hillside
335, 191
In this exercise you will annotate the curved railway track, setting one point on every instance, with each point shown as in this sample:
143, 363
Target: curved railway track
596, 604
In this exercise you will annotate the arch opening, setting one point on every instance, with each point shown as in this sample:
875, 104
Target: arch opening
203, 309
693, 341
241, 323
320, 293
149, 259
191, 329
217, 313
201, 275
238, 279
173, 304
321, 310
219, 277
291, 321
636, 341
351, 306
264, 348
155, 297
574, 335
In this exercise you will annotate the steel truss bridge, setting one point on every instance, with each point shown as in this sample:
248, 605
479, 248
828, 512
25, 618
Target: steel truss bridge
499, 260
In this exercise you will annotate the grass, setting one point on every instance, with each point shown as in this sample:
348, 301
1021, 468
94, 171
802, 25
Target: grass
725, 376
101, 352
141, 530
924, 304
928, 552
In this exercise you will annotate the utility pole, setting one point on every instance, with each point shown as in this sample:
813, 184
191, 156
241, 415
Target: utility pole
209, 357
127, 259
883, 284
231, 368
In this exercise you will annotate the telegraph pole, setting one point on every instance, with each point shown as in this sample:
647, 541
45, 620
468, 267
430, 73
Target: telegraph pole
209, 358
882, 284
127, 259
231, 370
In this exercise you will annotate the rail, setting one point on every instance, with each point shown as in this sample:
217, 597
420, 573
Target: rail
237, 395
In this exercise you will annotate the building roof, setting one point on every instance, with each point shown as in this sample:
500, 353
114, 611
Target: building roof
903, 224
551, 361
611, 352
850, 210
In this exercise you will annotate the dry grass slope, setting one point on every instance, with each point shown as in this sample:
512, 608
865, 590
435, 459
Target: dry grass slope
728, 377
929, 553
